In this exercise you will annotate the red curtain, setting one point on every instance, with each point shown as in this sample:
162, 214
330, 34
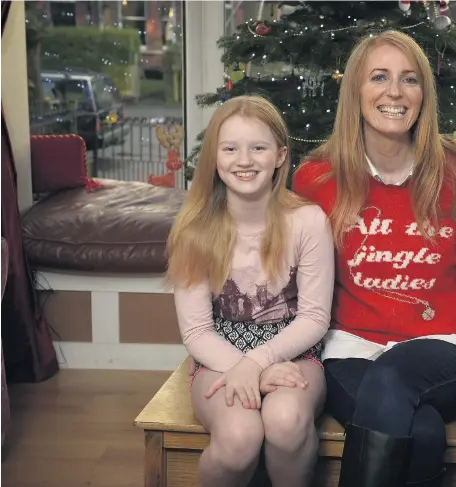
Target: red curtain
27, 346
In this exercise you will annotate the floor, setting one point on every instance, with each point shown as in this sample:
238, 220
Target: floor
76, 430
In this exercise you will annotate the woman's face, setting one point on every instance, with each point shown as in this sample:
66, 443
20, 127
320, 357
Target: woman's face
391, 92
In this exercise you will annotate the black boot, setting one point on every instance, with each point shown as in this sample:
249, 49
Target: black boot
436, 481
374, 459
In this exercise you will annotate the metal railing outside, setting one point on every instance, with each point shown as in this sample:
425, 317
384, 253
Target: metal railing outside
130, 151
52, 122
126, 150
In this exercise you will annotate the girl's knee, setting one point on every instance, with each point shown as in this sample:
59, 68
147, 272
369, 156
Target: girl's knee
288, 424
237, 444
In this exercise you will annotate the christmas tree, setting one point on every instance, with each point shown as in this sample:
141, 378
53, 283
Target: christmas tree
297, 60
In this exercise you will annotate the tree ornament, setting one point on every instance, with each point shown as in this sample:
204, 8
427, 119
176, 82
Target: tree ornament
405, 5
444, 7
440, 48
313, 83
235, 72
337, 76
442, 21
228, 85
262, 30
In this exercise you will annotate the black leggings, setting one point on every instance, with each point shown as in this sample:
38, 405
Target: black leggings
410, 390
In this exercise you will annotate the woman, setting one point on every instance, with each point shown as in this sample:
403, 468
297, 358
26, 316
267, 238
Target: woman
253, 270
387, 180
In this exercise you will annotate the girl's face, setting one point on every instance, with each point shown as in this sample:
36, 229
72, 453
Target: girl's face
391, 93
247, 156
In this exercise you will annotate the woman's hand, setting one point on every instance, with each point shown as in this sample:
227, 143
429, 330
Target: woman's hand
287, 374
242, 380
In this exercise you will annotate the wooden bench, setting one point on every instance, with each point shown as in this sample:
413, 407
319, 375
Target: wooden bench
174, 440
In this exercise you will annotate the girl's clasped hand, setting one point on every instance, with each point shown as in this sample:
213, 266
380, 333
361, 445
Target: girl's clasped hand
248, 381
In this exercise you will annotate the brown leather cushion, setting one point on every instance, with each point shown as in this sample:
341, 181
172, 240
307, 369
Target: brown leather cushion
122, 227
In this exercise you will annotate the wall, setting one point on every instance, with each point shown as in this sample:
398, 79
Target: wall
116, 321
15, 98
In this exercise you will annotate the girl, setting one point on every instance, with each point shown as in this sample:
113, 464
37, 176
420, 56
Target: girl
387, 179
252, 265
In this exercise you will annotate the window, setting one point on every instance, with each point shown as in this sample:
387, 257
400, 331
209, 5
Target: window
65, 93
105, 92
63, 13
135, 8
134, 15
169, 28
149, 88
139, 25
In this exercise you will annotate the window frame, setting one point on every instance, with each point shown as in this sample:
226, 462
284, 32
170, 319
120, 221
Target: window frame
203, 70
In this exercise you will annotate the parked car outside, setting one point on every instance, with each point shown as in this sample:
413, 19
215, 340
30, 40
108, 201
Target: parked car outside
95, 101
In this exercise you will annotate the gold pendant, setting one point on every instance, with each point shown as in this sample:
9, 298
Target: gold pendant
428, 314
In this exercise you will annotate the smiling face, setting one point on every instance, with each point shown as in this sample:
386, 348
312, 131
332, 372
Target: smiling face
391, 93
247, 156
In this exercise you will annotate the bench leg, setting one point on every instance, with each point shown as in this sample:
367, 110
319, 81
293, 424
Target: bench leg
154, 473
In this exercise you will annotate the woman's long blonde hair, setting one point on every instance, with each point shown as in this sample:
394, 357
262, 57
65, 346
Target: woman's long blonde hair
345, 149
201, 242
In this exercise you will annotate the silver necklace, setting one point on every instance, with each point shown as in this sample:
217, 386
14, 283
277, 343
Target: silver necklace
428, 314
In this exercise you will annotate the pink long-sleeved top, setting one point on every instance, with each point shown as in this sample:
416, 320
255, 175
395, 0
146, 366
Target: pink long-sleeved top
303, 291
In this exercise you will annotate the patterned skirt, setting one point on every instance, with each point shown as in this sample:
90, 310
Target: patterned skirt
246, 336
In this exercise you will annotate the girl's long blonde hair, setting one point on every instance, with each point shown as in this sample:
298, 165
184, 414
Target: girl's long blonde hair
201, 242
345, 149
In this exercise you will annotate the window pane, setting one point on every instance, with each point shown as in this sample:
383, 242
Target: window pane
63, 13
138, 25
105, 92
62, 93
50, 92
133, 8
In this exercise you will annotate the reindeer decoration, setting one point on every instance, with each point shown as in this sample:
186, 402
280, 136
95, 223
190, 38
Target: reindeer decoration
171, 140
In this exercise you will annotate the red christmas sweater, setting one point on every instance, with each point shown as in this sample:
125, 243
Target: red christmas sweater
386, 270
